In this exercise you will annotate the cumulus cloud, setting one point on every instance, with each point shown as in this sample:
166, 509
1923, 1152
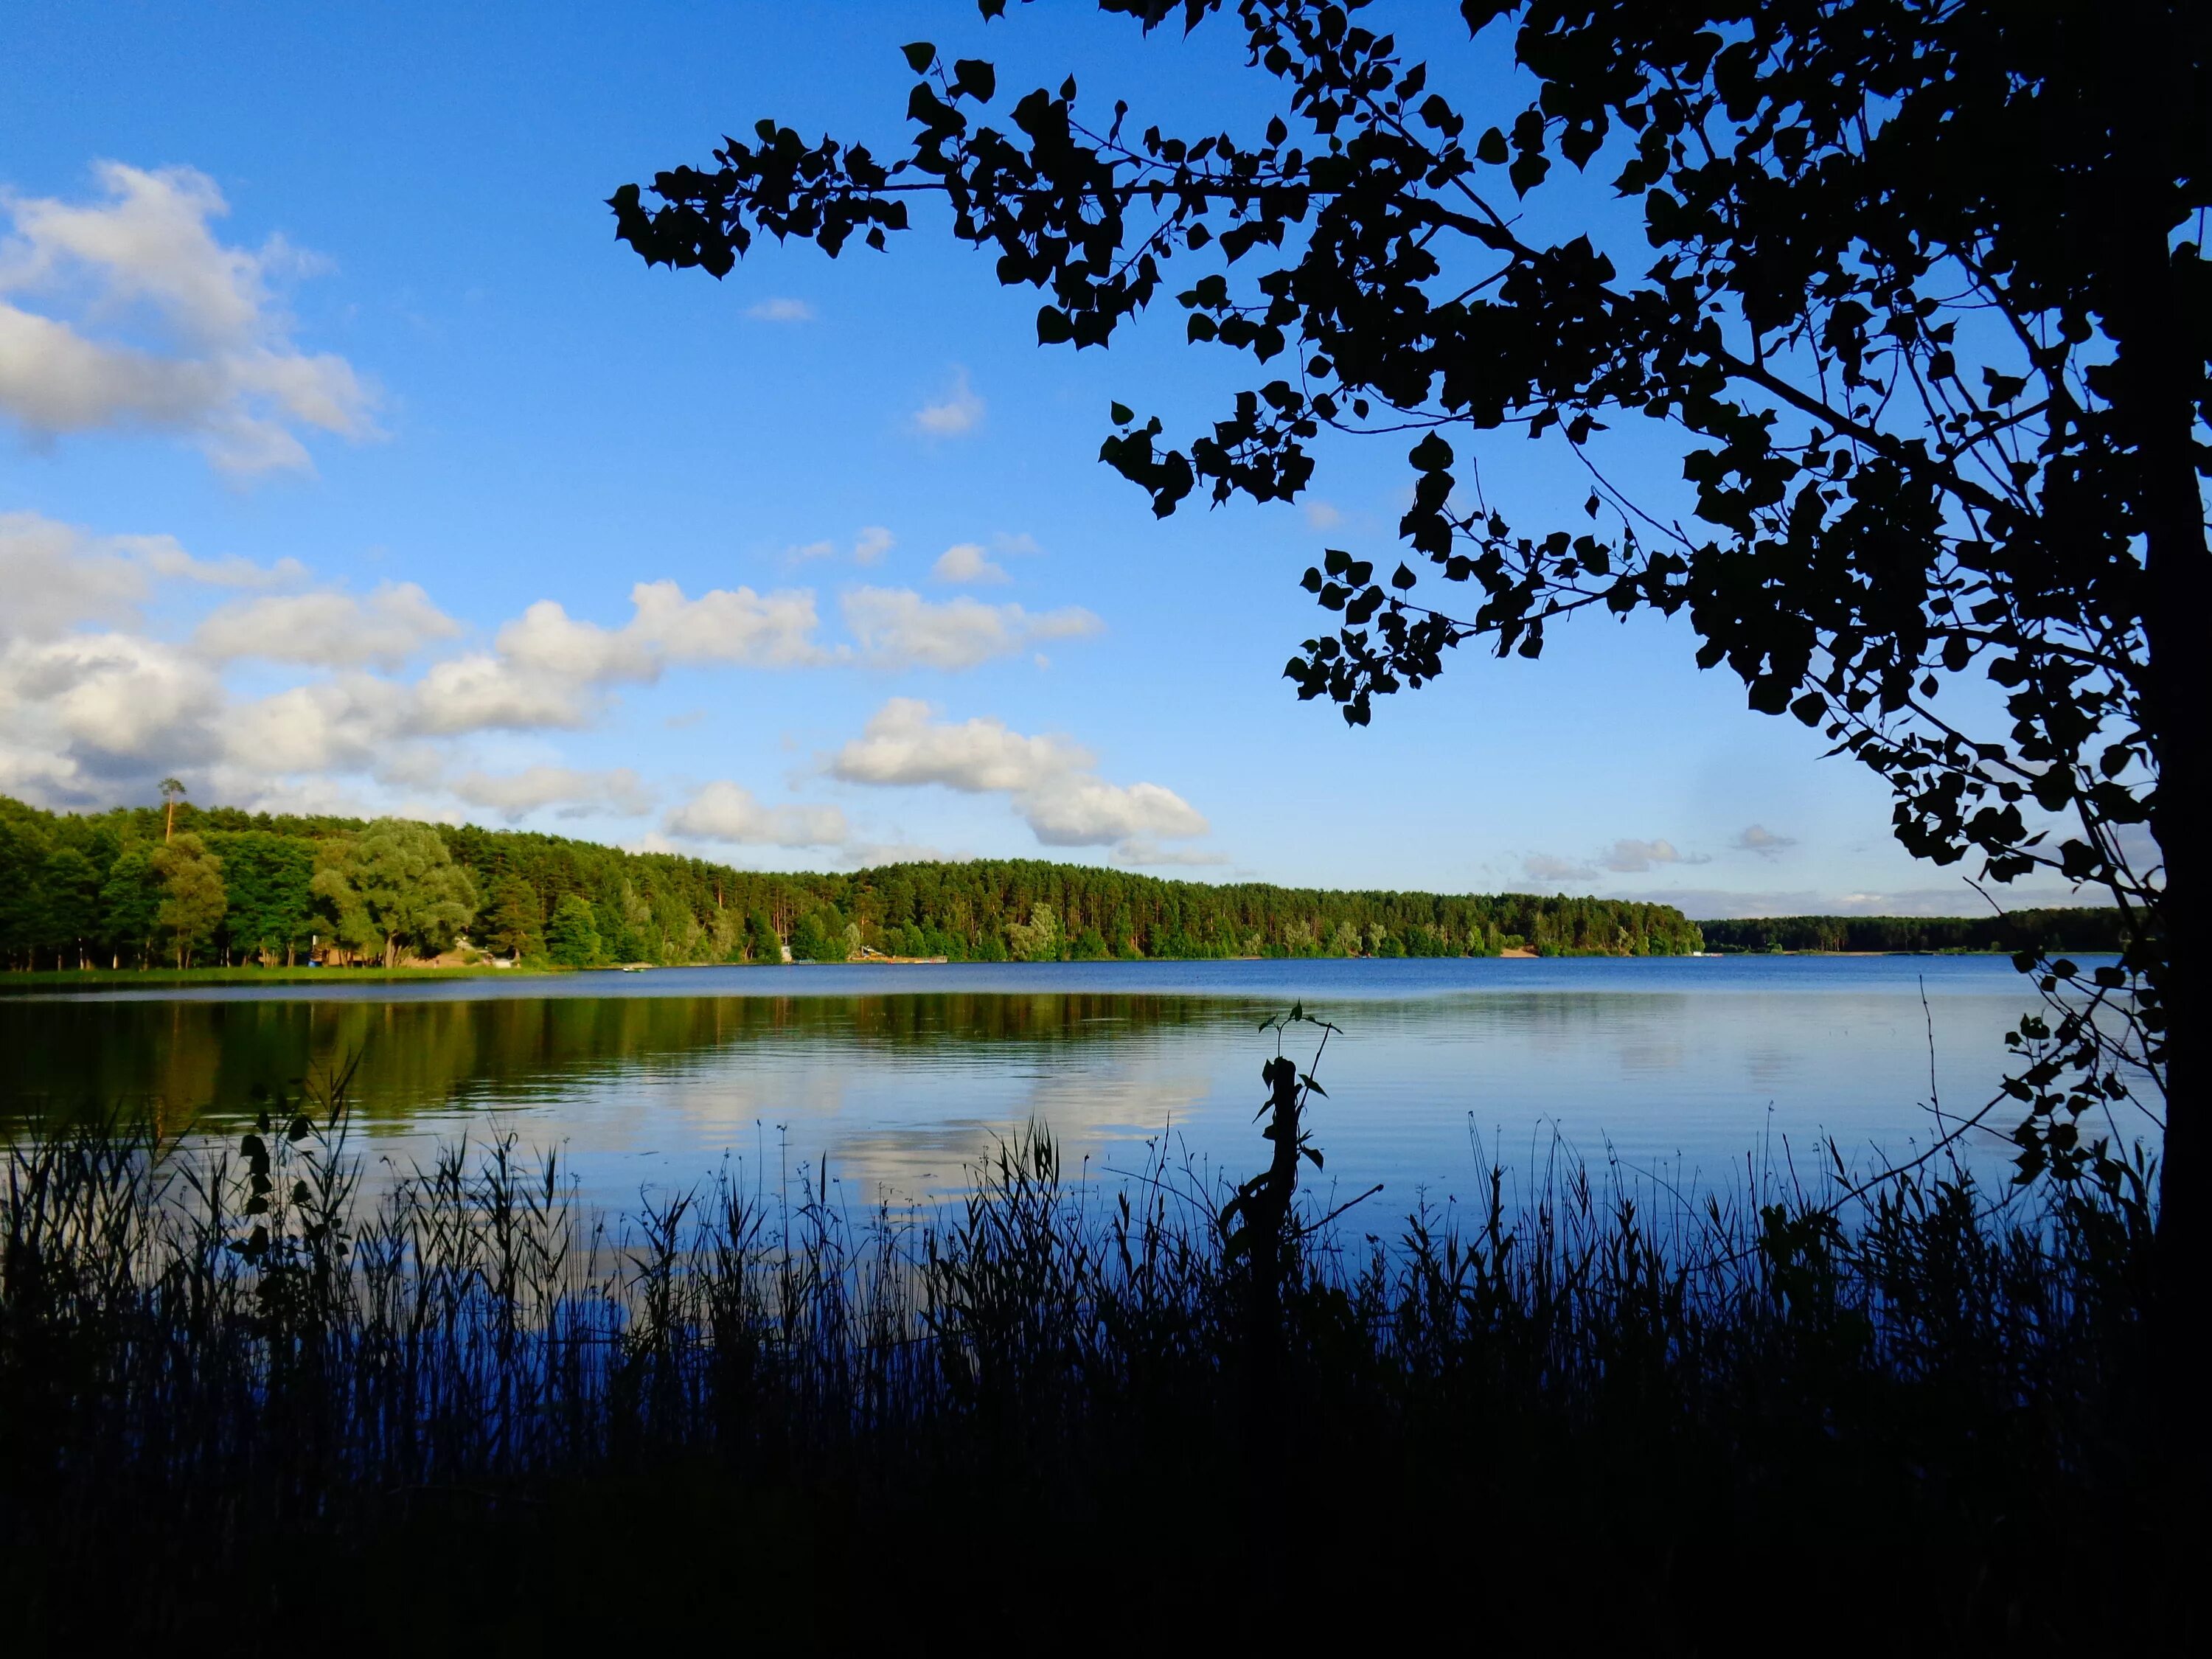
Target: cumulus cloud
781, 310
94, 707
872, 543
479, 692
1758, 838
385, 628
1625, 856
902, 745
1141, 854
966, 561
1075, 812
55, 576
343, 724
725, 811
574, 794
1632, 857
165, 558
194, 340
897, 628
1051, 782
732, 627
960, 412
1548, 866
868, 547
97, 716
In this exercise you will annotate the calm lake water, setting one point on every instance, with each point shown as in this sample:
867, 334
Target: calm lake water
902, 1076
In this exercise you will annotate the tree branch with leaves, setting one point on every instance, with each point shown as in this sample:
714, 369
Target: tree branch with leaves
1923, 314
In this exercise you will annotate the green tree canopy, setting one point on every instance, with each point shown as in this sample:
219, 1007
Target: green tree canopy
192, 901
572, 938
396, 884
762, 943
131, 902
513, 920
70, 889
686, 910
269, 880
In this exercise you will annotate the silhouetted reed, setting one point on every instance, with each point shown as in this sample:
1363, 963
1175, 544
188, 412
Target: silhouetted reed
234, 1384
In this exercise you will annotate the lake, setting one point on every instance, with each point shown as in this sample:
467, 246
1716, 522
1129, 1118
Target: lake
901, 1077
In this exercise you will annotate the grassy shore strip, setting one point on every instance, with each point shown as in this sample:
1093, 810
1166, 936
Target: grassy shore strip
68, 978
470, 1415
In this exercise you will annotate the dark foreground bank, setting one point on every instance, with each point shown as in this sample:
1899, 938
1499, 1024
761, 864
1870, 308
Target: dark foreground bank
236, 1399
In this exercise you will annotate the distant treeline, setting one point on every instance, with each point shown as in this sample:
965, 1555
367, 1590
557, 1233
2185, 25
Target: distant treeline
2084, 929
130, 887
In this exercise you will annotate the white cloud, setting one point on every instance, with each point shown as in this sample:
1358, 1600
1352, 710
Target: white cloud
900, 745
94, 707
966, 561
576, 794
1087, 812
1141, 854
1051, 782
55, 576
1627, 856
477, 693
164, 557
869, 546
1321, 514
781, 310
960, 412
726, 812
734, 627
1758, 838
82, 714
1546, 866
336, 629
897, 628
1632, 857
343, 724
873, 543
203, 350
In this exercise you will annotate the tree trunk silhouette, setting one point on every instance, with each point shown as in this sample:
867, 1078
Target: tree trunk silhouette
2144, 89
1262, 1205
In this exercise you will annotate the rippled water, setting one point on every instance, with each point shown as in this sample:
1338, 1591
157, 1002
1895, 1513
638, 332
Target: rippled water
901, 1077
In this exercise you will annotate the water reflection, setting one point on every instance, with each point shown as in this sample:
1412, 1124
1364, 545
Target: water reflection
900, 1092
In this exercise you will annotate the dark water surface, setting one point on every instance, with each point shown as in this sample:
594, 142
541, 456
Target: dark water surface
903, 1076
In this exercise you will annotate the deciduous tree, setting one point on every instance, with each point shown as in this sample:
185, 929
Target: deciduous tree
130, 902
572, 938
270, 879
192, 900
1913, 288
396, 884
513, 920
70, 912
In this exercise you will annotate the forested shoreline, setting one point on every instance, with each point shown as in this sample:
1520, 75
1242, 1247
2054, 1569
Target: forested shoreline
138, 887
2087, 929
145, 887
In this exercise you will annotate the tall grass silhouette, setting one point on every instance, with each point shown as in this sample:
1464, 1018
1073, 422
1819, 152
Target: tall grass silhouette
234, 1385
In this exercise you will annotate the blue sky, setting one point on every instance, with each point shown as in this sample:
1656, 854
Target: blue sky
350, 463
